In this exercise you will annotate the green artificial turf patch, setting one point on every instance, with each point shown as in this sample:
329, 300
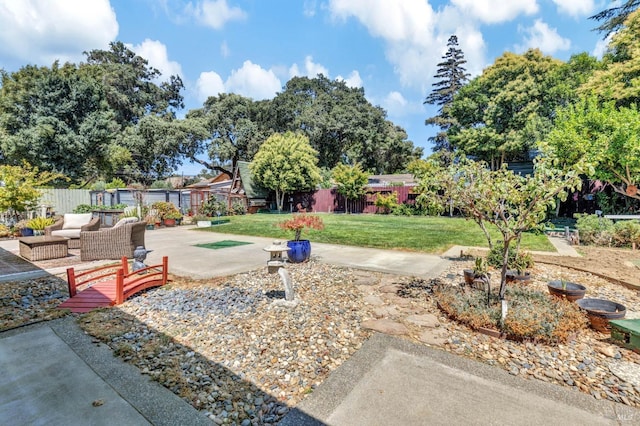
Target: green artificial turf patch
222, 244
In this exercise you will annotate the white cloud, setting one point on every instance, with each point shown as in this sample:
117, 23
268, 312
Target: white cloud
391, 20
311, 69
544, 38
224, 50
253, 81
156, 53
601, 47
575, 8
309, 8
214, 13
397, 106
493, 12
354, 79
209, 84
42, 31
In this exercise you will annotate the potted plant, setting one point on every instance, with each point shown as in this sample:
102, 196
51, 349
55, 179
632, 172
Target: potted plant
151, 221
479, 270
170, 218
23, 228
39, 223
300, 250
518, 268
566, 290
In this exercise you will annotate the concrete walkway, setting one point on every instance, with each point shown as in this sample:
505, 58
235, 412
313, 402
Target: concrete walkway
55, 374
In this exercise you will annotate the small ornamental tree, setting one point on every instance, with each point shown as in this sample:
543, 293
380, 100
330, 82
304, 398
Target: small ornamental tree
286, 163
351, 181
301, 221
18, 187
511, 202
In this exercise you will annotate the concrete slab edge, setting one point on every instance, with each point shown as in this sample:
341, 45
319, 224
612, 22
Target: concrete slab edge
157, 404
326, 398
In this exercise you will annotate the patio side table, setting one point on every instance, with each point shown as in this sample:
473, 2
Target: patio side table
43, 247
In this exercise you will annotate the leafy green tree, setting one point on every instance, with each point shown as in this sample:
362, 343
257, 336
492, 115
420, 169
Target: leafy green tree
234, 131
18, 187
130, 84
341, 125
613, 18
351, 181
286, 163
620, 78
600, 140
510, 202
451, 77
502, 113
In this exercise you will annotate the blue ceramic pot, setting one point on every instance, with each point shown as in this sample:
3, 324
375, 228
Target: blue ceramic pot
299, 251
26, 232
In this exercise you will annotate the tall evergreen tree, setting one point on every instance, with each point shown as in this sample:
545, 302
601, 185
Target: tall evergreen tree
451, 77
613, 18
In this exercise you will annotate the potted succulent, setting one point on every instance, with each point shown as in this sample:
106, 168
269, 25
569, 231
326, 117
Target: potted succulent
151, 221
518, 268
300, 250
479, 271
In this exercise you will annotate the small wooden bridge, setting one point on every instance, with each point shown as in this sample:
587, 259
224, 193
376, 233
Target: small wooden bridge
110, 285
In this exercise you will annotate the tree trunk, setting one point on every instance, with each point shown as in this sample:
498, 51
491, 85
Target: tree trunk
280, 199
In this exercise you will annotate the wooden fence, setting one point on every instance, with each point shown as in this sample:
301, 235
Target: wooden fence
62, 201
329, 201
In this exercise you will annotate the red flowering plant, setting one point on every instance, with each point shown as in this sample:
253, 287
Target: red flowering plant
300, 221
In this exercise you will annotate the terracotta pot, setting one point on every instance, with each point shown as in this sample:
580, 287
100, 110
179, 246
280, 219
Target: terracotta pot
600, 311
570, 291
169, 222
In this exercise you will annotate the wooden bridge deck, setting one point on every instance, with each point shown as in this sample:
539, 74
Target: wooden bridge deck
110, 285
99, 295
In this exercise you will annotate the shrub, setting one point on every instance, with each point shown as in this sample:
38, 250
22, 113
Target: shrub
212, 207
4, 230
238, 207
39, 223
386, 203
595, 230
626, 233
532, 315
83, 208
518, 260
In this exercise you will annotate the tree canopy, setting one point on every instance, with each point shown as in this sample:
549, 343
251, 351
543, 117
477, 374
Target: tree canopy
286, 163
619, 79
502, 113
600, 140
613, 18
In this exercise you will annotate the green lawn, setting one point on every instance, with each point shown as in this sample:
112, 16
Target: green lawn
416, 233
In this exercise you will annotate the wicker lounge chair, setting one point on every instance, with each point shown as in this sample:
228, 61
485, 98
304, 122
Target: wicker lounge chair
112, 243
71, 225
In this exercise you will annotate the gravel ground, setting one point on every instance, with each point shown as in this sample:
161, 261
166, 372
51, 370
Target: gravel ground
230, 347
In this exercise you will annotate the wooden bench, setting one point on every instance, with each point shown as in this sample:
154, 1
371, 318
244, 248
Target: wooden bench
110, 285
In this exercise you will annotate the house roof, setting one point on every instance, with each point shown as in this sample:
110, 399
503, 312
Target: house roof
386, 180
251, 189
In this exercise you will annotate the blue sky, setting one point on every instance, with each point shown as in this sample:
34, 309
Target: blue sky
253, 47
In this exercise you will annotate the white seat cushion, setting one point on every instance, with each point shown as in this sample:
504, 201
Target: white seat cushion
76, 220
67, 233
125, 220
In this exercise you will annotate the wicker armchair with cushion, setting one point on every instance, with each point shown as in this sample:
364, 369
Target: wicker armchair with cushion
71, 225
112, 243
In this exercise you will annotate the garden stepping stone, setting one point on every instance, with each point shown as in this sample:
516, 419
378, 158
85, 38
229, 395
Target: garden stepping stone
373, 300
385, 311
426, 320
386, 326
433, 338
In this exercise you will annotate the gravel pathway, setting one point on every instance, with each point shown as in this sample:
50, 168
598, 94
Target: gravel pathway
229, 348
